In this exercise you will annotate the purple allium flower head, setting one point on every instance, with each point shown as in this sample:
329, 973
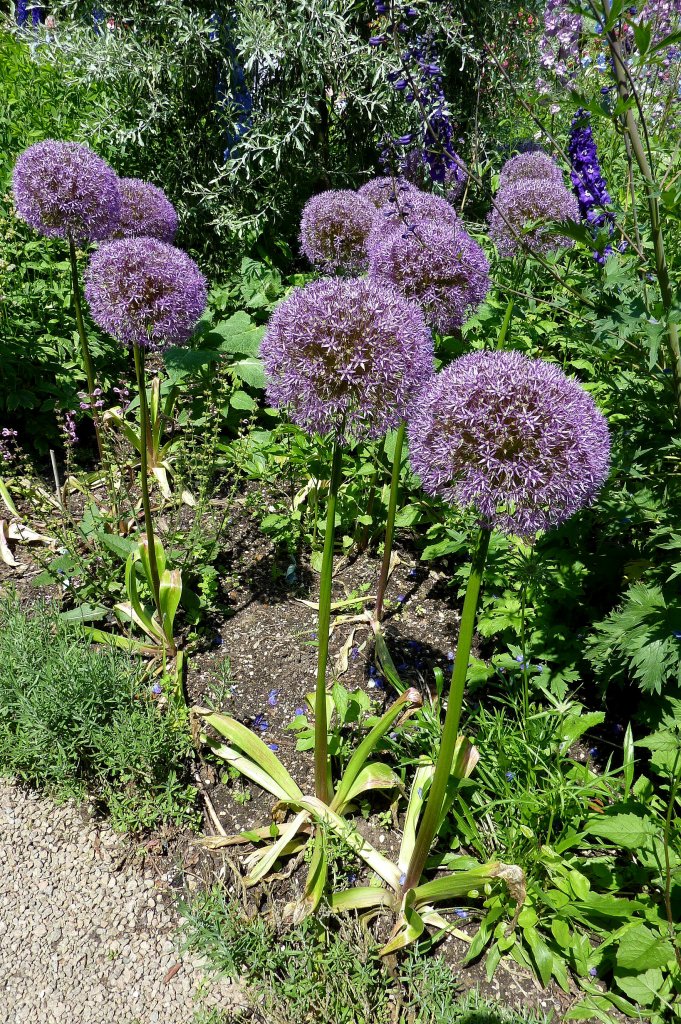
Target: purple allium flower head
411, 208
512, 437
145, 211
438, 265
347, 355
63, 188
145, 291
334, 229
384, 191
530, 201
534, 164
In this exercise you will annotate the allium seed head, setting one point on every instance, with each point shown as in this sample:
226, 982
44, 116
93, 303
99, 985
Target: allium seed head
63, 188
530, 165
346, 355
146, 211
437, 265
513, 438
144, 291
384, 191
530, 201
334, 229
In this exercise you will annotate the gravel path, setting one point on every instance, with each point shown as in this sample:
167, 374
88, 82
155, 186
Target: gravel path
82, 942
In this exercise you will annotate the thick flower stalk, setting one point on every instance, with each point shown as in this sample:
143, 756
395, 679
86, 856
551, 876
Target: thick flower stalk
523, 210
535, 164
64, 190
524, 445
346, 355
349, 357
149, 295
146, 211
145, 292
438, 265
587, 179
334, 229
511, 437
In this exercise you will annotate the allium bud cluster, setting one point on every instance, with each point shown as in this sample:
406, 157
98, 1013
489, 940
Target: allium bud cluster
511, 437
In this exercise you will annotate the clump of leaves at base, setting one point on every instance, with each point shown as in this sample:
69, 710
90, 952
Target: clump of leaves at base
312, 974
75, 720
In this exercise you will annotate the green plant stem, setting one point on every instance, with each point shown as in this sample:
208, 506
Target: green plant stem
321, 745
450, 731
146, 503
390, 522
88, 365
505, 323
624, 89
673, 789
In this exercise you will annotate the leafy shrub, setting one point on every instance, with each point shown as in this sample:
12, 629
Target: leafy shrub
75, 719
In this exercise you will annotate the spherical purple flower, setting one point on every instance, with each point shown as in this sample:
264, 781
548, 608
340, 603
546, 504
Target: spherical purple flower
412, 207
144, 291
535, 164
530, 201
63, 188
145, 211
346, 355
512, 437
436, 264
334, 229
384, 191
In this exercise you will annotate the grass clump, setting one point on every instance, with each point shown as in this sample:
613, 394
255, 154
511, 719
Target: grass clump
75, 719
312, 973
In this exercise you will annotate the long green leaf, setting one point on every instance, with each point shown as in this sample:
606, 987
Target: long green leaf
410, 699
361, 898
409, 927
267, 858
170, 592
245, 766
454, 885
422, 777
372, 776
254, 748
347, 832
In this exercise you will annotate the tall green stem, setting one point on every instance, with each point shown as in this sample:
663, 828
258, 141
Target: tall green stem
450, 731
88, 365
505, 323
146, 503
321, 746
390, 522
624, 88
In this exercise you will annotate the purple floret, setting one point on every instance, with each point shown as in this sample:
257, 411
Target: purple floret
513, 438
63, 188
535, 164
411, 208
334, 229
144, 291
146, 211
526, 202
346, 355
438, 265
385, 191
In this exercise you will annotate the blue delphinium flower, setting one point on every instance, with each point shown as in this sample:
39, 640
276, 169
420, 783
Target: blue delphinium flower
587, 179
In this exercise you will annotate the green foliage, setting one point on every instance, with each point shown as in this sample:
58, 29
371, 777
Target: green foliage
78, 720
311, 973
